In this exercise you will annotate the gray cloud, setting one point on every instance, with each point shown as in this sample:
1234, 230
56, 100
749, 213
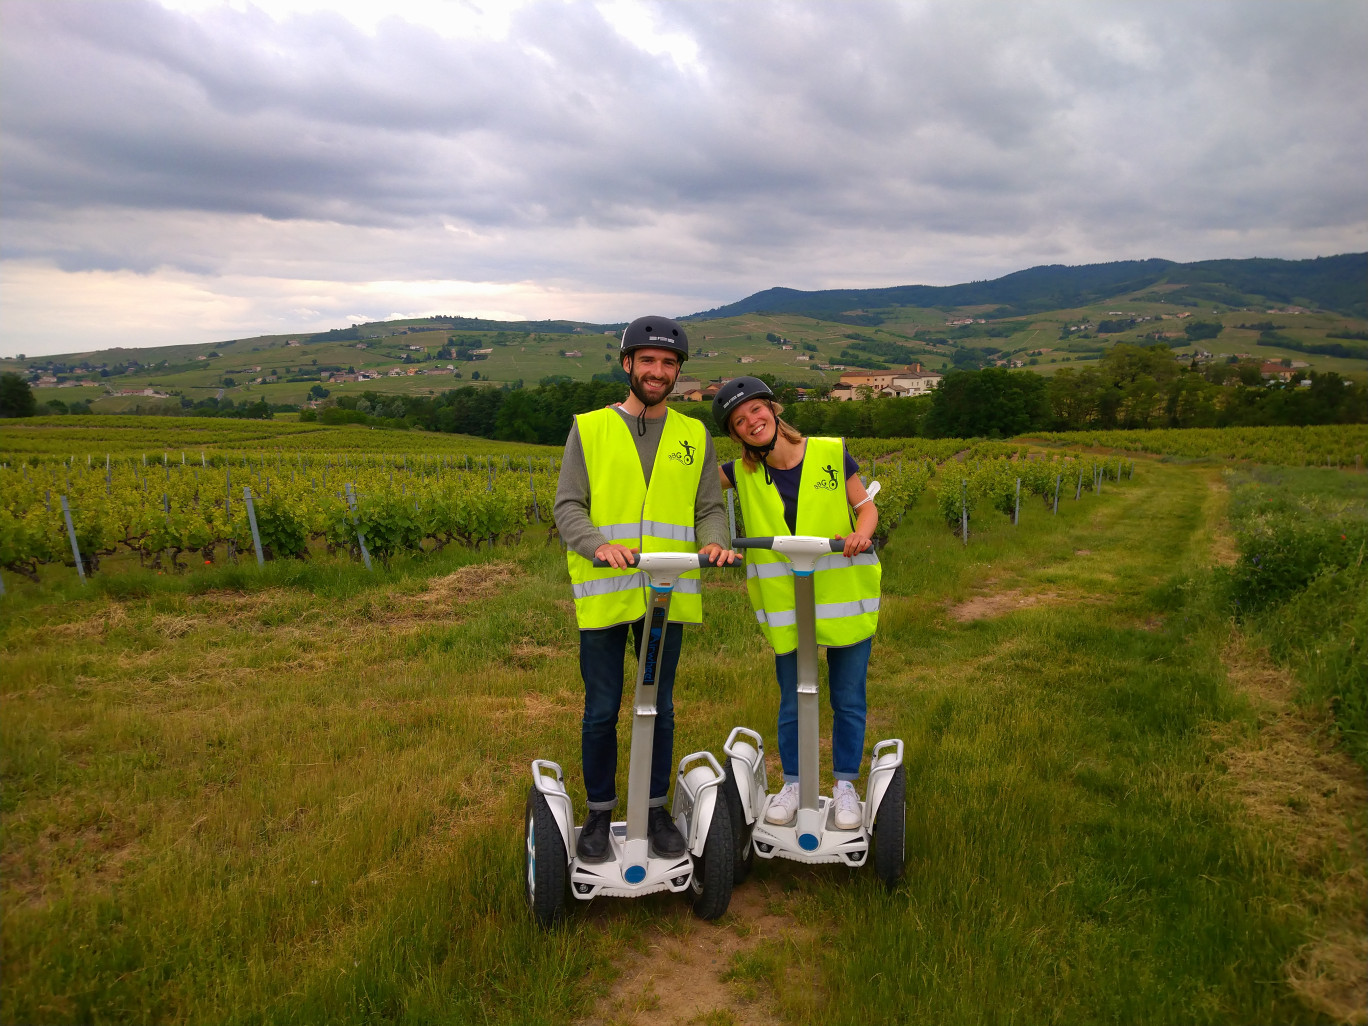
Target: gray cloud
799, 144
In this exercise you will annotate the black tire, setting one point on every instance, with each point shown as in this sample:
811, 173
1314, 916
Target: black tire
544, 863
890, 830
711, 885
743, 852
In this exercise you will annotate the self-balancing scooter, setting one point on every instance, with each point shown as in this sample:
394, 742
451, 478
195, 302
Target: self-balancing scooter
705, 868
813, 835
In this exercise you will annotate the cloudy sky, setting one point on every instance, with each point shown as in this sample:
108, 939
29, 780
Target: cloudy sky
190, 171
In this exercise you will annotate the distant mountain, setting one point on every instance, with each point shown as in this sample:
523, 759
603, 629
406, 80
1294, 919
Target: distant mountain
1336, 283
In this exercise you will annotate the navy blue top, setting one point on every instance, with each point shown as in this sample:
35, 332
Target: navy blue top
787, 481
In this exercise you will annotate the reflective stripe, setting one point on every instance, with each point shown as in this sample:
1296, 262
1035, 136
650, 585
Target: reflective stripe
779, 568
835, 561
611, 585
660, 529
608, 585
784, 618
655, 528
835, 610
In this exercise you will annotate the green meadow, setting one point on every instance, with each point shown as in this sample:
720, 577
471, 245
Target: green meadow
294, 793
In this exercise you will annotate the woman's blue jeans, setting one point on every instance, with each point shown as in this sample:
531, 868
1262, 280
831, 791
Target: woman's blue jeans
602, 657
848, 667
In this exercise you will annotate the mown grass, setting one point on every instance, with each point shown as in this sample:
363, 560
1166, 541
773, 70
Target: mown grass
294, 794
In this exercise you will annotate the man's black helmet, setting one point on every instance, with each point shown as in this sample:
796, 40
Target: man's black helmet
655, 333
734, 393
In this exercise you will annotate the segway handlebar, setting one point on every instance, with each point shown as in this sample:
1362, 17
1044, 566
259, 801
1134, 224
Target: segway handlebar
792, 544
653, 562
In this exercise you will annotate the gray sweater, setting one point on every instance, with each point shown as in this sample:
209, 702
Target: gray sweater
572, 490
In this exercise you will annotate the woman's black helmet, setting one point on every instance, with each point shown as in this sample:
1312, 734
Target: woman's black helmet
733, 394
655, 333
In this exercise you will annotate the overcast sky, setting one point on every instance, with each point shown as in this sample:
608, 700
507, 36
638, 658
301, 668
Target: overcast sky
191, 171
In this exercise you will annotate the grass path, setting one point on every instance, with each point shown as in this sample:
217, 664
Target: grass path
295, 796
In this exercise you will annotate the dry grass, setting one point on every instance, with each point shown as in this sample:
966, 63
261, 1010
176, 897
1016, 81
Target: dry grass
677, 975
1314, 798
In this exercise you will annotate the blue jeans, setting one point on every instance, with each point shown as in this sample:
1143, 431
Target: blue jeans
602, 656
847, 668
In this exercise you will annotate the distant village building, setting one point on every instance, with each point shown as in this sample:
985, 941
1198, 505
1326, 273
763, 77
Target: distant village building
570, 354
745, 359
686, 389
1276, 371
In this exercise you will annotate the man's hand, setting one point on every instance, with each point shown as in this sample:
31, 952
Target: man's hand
619, 556
855, 543
719, 556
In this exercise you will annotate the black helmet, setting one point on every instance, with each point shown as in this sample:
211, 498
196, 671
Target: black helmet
733, 394
655, 333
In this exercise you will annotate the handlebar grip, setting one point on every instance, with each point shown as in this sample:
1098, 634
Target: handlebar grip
752, 543
603, 564
837, 544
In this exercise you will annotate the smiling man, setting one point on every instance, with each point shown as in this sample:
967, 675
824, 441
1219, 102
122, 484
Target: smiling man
636, 477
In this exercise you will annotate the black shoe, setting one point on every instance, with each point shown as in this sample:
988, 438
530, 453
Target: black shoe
593, 839
666, 840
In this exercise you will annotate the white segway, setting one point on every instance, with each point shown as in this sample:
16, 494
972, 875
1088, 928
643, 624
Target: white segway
705, 868
813, 835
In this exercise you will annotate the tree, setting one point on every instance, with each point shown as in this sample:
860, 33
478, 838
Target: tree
995, 403
16, 398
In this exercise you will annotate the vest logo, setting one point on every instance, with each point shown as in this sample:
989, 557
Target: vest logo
830, 485
687, 456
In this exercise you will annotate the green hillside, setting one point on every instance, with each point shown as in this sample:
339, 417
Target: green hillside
432, 355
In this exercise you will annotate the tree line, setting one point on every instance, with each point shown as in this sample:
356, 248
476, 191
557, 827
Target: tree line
1130, 387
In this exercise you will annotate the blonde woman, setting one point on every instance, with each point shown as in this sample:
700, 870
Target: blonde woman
789, 484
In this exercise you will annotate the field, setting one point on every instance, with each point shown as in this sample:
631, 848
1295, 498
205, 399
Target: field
243, 369
293, 793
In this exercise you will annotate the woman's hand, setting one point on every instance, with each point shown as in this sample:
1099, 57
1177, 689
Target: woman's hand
855, 543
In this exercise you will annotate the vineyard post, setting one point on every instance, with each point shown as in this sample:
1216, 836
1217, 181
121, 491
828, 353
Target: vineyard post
1079, 494
228, 491
1101, 476
1131, 475
1016, 513
251, 520
71, 533
532, 483
47, 498
109, 475
1058, 478
489, 465
964, 510
360, 535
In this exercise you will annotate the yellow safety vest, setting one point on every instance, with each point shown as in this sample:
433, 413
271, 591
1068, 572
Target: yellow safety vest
847, 590
655, 519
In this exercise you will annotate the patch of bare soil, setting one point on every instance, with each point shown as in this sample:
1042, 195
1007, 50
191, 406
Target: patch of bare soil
444, 594
1314, 797
683, 976
982, 607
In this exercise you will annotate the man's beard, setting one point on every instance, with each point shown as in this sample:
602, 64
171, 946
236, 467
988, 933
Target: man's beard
635, 384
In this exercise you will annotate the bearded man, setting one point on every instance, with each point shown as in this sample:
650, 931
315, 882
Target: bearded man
636, 477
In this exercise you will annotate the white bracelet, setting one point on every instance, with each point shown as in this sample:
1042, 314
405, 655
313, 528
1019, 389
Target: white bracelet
867, 498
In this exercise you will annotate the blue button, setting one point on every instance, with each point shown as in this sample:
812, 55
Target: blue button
808, 842
635, 874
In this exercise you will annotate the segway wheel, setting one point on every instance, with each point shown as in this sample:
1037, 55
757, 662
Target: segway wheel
890, 830
711, 885
544, 881
743, 854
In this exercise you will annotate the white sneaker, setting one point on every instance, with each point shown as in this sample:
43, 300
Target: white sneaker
783, 805
847, 805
